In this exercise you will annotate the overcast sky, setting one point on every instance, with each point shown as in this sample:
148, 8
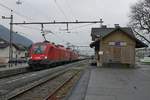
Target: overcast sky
111, 11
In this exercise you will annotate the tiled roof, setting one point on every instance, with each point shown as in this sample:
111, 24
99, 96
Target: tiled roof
103, 32
97, 32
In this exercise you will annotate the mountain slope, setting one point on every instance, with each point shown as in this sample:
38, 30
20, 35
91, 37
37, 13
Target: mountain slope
17, 38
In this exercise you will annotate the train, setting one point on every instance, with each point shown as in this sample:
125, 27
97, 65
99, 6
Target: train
45, 55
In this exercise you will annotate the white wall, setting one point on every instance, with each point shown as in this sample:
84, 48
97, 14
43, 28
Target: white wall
4, 54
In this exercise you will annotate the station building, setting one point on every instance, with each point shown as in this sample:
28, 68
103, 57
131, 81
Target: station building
115, 45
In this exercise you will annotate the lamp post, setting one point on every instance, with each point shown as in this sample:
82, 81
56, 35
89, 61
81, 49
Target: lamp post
10, 36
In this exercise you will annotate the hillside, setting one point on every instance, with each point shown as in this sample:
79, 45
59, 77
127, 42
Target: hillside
17, 38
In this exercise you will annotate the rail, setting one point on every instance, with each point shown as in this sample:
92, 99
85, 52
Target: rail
53, 96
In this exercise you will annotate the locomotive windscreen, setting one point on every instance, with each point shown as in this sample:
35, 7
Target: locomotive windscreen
39, 49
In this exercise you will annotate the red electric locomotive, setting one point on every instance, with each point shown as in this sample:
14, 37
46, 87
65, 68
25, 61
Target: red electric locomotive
46, 54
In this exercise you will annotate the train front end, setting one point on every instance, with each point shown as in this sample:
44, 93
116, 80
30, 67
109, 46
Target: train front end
38, 56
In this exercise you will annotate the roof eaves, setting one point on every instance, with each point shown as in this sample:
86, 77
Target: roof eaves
94, 43
140, 44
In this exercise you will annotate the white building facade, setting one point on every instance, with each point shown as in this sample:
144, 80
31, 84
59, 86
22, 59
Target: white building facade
18, 51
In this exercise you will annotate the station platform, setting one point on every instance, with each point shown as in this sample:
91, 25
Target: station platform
6, 70
113, 84
6, 66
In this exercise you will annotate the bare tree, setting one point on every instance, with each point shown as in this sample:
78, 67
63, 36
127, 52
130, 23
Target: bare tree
140, 20
140, 17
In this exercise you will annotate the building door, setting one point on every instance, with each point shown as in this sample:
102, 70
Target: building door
116, 54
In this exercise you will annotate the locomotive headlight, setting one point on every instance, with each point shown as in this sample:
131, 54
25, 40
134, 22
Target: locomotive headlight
45, 57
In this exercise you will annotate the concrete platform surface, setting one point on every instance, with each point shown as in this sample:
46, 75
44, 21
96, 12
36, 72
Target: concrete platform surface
113, 84
119, 84
13, 66
13, 70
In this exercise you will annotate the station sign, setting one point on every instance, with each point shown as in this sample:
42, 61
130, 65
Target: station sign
117, 43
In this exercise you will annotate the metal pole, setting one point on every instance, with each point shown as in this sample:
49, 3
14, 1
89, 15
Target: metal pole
100, 55
101, 23
10, 39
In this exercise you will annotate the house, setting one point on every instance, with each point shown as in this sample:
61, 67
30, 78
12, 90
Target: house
115, 45
19, 45
18, 50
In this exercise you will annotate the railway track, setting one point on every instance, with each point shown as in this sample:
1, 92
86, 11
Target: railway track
21, 71
47, 83
49, 89
55, 95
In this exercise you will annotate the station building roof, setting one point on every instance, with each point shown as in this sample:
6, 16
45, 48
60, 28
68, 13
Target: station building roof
103, 32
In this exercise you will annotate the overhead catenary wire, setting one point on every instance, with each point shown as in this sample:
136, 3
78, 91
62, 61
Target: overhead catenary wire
29, 27
39, 10
38, 29
54, 34
26, 17
60, 9
71, 11
2, 5
78, 27
15, 12
23, 16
